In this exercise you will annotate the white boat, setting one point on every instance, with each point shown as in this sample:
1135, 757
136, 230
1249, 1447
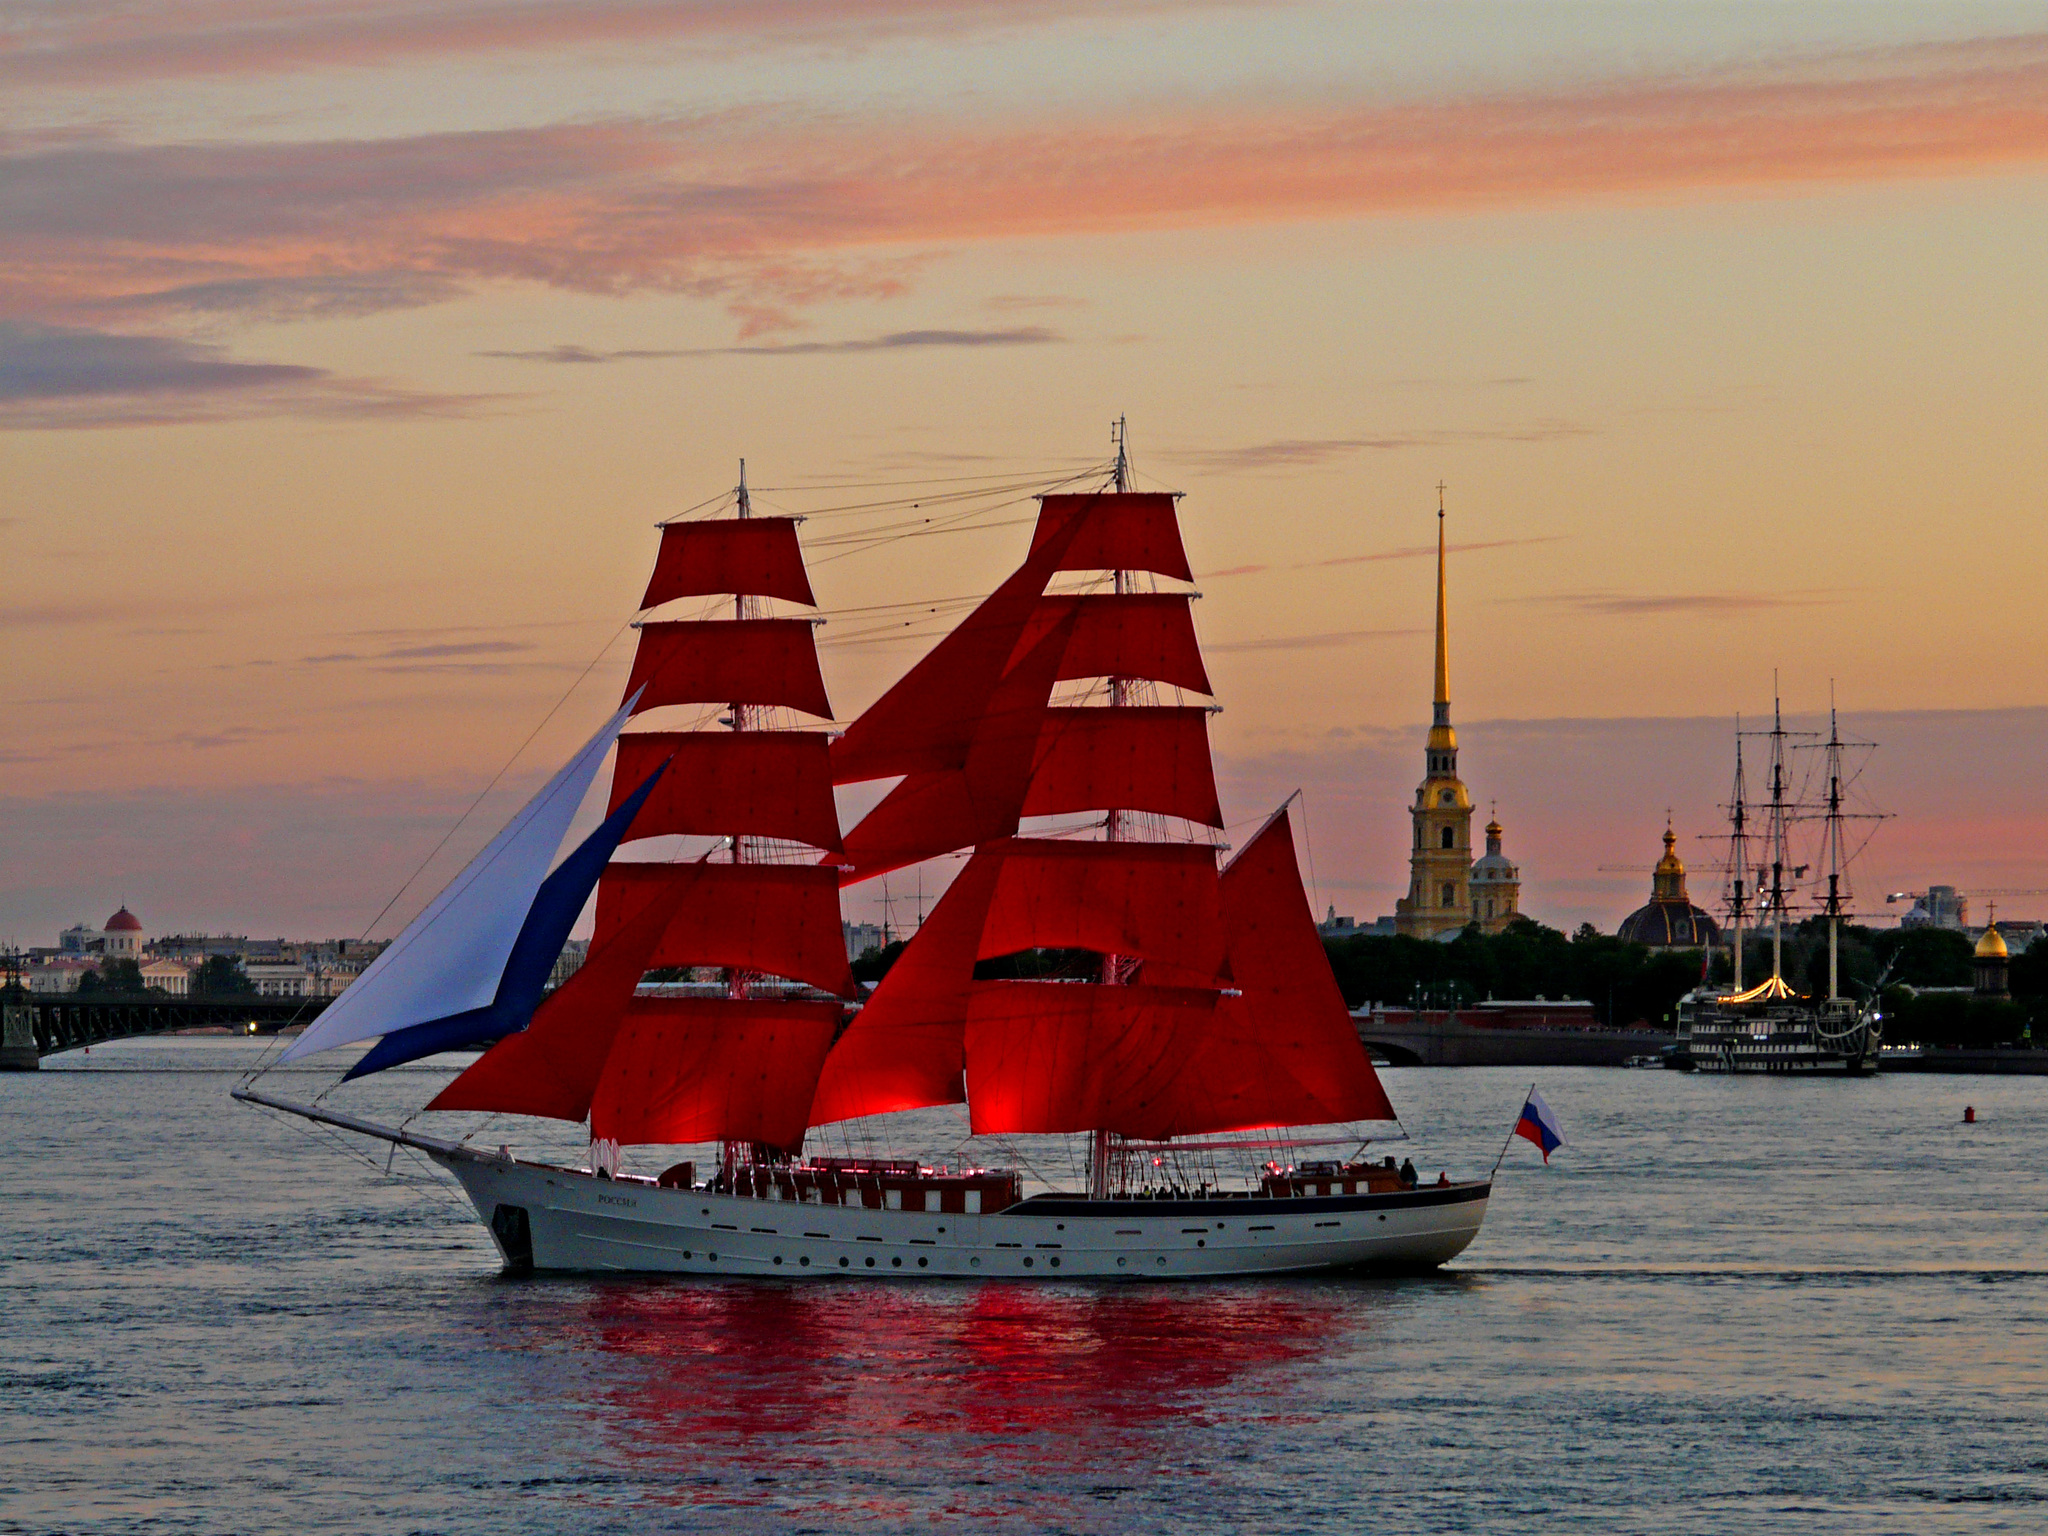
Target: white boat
1200, 1044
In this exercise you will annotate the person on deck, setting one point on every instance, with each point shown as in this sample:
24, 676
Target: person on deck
1408, 1173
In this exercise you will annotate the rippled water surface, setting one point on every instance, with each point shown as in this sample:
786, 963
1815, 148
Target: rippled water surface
1726, 1306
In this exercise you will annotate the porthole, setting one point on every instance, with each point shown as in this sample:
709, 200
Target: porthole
1027, 1262
1383, 1218
871, 1263
778, 1258
687, 1254
1201, 1242
921, 1263
896, 1263
712, 1257
805, 1261
1162, 1261
1055, 1263
1119, 1263
843, 1263
974, 1263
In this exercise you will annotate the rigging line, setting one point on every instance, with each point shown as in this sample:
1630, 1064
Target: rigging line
1030, 488
708, 501
927, 498
1007, 524
925, 605
921, 531
581, 677
1034, 485
862, 485
958, 507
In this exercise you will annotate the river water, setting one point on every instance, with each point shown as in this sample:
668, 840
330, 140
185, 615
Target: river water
1728, 1305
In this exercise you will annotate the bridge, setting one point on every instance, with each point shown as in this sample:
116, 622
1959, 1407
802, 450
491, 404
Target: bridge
1468, 1037
42, 1024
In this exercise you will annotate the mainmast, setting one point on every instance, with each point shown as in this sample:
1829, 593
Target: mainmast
1833, 852
1116, 969
1739, 889
1776, 836
739, 982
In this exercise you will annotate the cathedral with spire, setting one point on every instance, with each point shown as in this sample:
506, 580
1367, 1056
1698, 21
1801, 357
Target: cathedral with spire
1447, 890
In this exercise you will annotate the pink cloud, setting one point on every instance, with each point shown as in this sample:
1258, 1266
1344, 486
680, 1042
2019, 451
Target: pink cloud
771, 212
82, 43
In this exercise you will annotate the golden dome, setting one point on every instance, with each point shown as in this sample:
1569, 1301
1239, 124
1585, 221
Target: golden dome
1671, 863
1992, 946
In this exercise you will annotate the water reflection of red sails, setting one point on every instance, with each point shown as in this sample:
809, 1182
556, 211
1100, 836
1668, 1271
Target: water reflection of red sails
881, 1401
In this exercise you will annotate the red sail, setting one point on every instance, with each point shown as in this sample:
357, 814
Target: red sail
903, 1050
1154, 900
1152, 1062
778, 919
749, 557
1126, 634
729, 661
550, 1068
1306, 1043
926, 723
746, 783
1116, 531
933, 813
1050, 1057
1135, 759
712, 1069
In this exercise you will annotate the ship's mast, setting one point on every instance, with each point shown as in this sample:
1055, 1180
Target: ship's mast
1834, 850
1739, 891
738, 983
1776, 835
1114, 967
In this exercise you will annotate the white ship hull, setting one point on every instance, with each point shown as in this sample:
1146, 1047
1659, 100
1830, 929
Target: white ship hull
558, 1219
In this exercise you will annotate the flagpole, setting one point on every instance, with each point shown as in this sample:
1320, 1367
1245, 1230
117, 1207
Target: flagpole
1511, 1136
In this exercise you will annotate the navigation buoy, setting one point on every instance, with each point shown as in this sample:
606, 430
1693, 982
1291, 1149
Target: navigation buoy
1969, 1114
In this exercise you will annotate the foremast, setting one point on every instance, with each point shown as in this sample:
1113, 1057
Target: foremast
749, 811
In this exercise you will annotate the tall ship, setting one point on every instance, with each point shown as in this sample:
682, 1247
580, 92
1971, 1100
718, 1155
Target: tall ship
1198, 1049
1772, 1026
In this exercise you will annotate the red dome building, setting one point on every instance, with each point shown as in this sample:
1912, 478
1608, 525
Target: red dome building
123, 935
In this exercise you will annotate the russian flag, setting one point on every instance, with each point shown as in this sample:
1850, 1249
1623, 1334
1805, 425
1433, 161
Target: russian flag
1539, 1125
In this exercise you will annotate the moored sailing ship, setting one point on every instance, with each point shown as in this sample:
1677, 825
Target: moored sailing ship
1206, 1026
1772, 1027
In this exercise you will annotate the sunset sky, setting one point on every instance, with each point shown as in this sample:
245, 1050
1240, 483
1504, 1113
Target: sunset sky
350, 349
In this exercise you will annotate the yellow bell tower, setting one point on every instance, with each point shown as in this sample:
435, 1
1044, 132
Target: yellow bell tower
1439, 898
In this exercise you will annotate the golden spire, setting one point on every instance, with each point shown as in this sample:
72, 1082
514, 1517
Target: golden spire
1442, 739
1443, 628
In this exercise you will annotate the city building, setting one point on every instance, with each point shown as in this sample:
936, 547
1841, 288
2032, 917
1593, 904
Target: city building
861, 937
1446, 891
1496, 885
121, 938
1939, 906
57, 973
172, 976
1669, 920
1335, 927
1990, 964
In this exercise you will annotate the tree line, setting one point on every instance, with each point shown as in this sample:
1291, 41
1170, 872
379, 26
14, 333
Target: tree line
217, 976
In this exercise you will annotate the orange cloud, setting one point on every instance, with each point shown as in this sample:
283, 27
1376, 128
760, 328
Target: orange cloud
771, 213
